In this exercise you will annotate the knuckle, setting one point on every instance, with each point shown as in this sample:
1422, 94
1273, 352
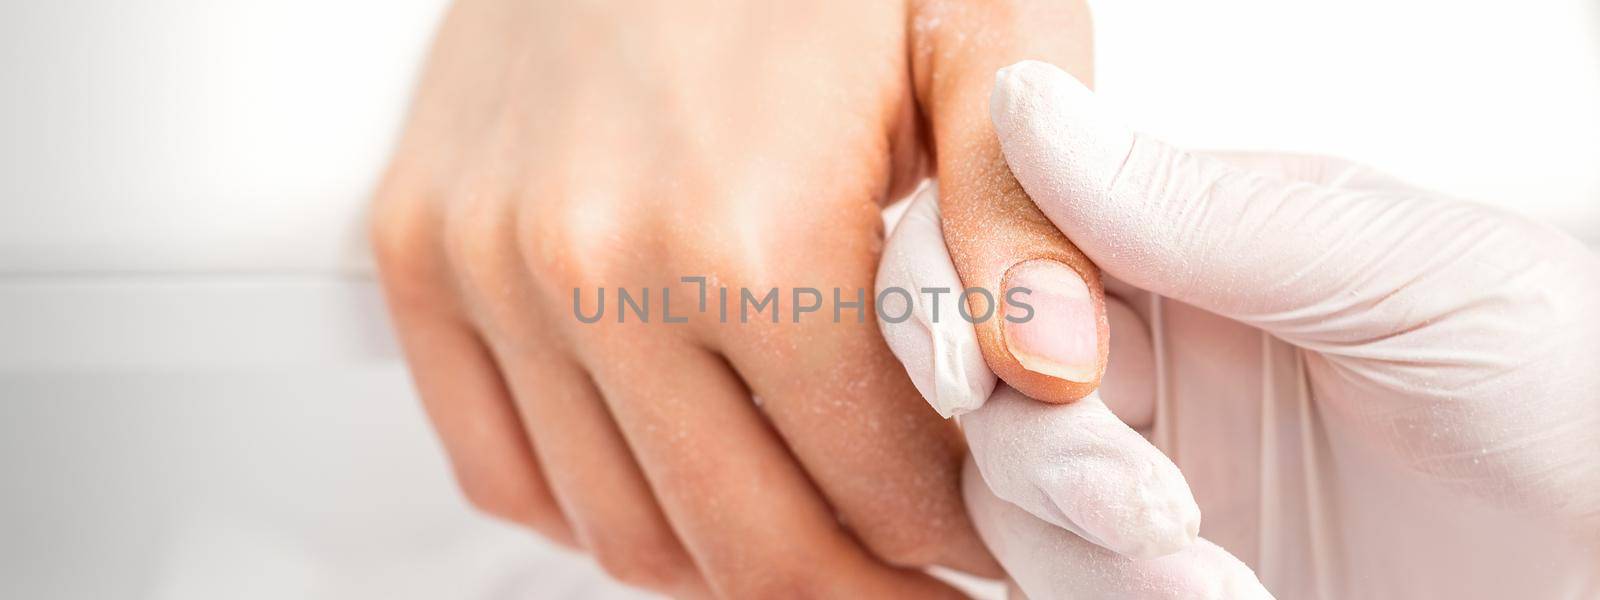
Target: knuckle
554, 253
477, 244
403, 231
566, 244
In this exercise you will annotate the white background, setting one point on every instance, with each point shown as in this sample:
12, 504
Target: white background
198, 394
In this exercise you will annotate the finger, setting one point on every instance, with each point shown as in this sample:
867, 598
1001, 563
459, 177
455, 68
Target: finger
1049, 562
939, 350
1079, 468
846, 409
594, 476
1054, 341
467, 401
1302, 261
461, 387
742, 506
1315, 169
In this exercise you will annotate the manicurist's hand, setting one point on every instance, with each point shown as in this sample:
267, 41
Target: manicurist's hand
678, 149
1372, 390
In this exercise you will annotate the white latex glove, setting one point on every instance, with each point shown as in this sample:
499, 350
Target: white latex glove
1373, 391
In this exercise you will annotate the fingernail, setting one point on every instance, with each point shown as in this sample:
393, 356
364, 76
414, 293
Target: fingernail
1060, 339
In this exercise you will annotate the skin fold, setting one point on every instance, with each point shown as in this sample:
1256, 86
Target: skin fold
554, 146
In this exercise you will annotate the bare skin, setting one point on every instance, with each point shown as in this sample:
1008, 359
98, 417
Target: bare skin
560, 145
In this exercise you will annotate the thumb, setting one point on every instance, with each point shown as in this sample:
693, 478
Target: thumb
1048, 335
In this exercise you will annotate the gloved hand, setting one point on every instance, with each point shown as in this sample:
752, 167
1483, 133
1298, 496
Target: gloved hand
1372, 390
1071, 500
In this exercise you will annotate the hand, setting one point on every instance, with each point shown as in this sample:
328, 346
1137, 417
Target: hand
559, 148
1374, 391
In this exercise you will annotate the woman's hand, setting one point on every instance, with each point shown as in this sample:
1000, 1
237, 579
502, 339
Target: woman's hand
557, 147
560, 148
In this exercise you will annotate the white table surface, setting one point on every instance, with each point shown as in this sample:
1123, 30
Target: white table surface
198, 394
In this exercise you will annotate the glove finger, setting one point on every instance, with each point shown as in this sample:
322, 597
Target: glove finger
1320, 267
1316, 169
1049, 562
1079, 468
